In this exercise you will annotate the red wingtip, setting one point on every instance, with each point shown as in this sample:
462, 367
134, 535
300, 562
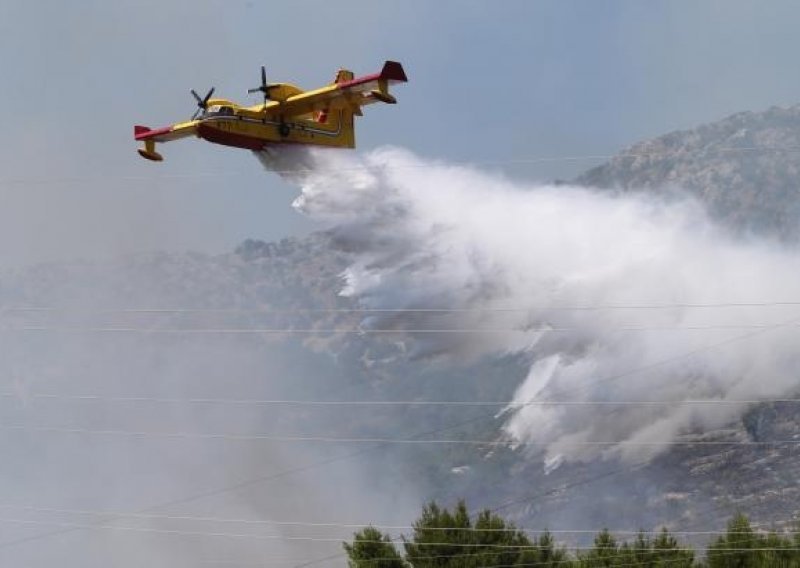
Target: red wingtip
145, 133
140, 132
393, 71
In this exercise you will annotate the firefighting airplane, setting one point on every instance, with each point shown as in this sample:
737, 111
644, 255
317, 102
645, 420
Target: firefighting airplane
288, 114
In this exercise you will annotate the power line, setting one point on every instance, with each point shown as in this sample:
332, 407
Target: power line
255, 481
385, 403
251, 482
273, 310
402, 441
178, 532
660, 363
309, 524
374, 331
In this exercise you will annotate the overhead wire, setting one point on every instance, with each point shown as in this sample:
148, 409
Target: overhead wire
400, 441
740, 337
25, 396
512, 404
361, 329
224, 490
349, 525
369, 331
371, 310
179, 532
250, 482
259, 480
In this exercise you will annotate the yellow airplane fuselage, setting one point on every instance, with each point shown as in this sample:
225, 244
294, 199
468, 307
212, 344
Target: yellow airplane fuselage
251, 128
289, 115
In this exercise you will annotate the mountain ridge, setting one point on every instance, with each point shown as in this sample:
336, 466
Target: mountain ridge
743, 168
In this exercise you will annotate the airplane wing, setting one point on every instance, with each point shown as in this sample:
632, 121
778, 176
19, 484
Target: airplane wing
166, 134
354, 93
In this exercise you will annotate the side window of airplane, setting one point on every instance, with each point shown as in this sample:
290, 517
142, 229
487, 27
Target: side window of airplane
226, 111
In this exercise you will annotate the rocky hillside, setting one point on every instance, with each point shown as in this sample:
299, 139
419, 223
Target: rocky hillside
744, 167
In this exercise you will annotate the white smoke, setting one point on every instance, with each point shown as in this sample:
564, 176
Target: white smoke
575, 278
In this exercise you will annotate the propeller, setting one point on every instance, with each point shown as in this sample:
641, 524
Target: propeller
202, 103
264, 87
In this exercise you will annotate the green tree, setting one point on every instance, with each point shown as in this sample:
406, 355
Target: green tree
779, 551
605, 552
667, 552
644, 552
372, 549
545, 554
742, 547
737, 548
445, 539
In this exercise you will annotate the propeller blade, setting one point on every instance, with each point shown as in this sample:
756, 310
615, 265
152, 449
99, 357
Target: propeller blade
202, 104
208, 96
264, 87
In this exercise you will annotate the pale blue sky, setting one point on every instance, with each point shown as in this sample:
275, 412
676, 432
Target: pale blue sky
489, 80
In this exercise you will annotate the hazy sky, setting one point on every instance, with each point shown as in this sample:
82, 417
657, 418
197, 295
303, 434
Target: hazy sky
489, 81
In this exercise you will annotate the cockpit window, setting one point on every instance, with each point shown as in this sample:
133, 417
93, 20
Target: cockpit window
219, 110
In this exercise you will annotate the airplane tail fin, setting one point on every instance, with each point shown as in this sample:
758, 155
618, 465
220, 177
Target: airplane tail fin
343, 75
394, 72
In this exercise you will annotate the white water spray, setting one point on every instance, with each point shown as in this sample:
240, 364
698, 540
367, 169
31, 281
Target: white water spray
578, 280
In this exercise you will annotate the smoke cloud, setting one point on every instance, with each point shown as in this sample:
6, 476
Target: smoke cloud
612, 297
72, 492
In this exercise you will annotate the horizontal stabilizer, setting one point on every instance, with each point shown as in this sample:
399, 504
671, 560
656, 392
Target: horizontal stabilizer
383, 97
